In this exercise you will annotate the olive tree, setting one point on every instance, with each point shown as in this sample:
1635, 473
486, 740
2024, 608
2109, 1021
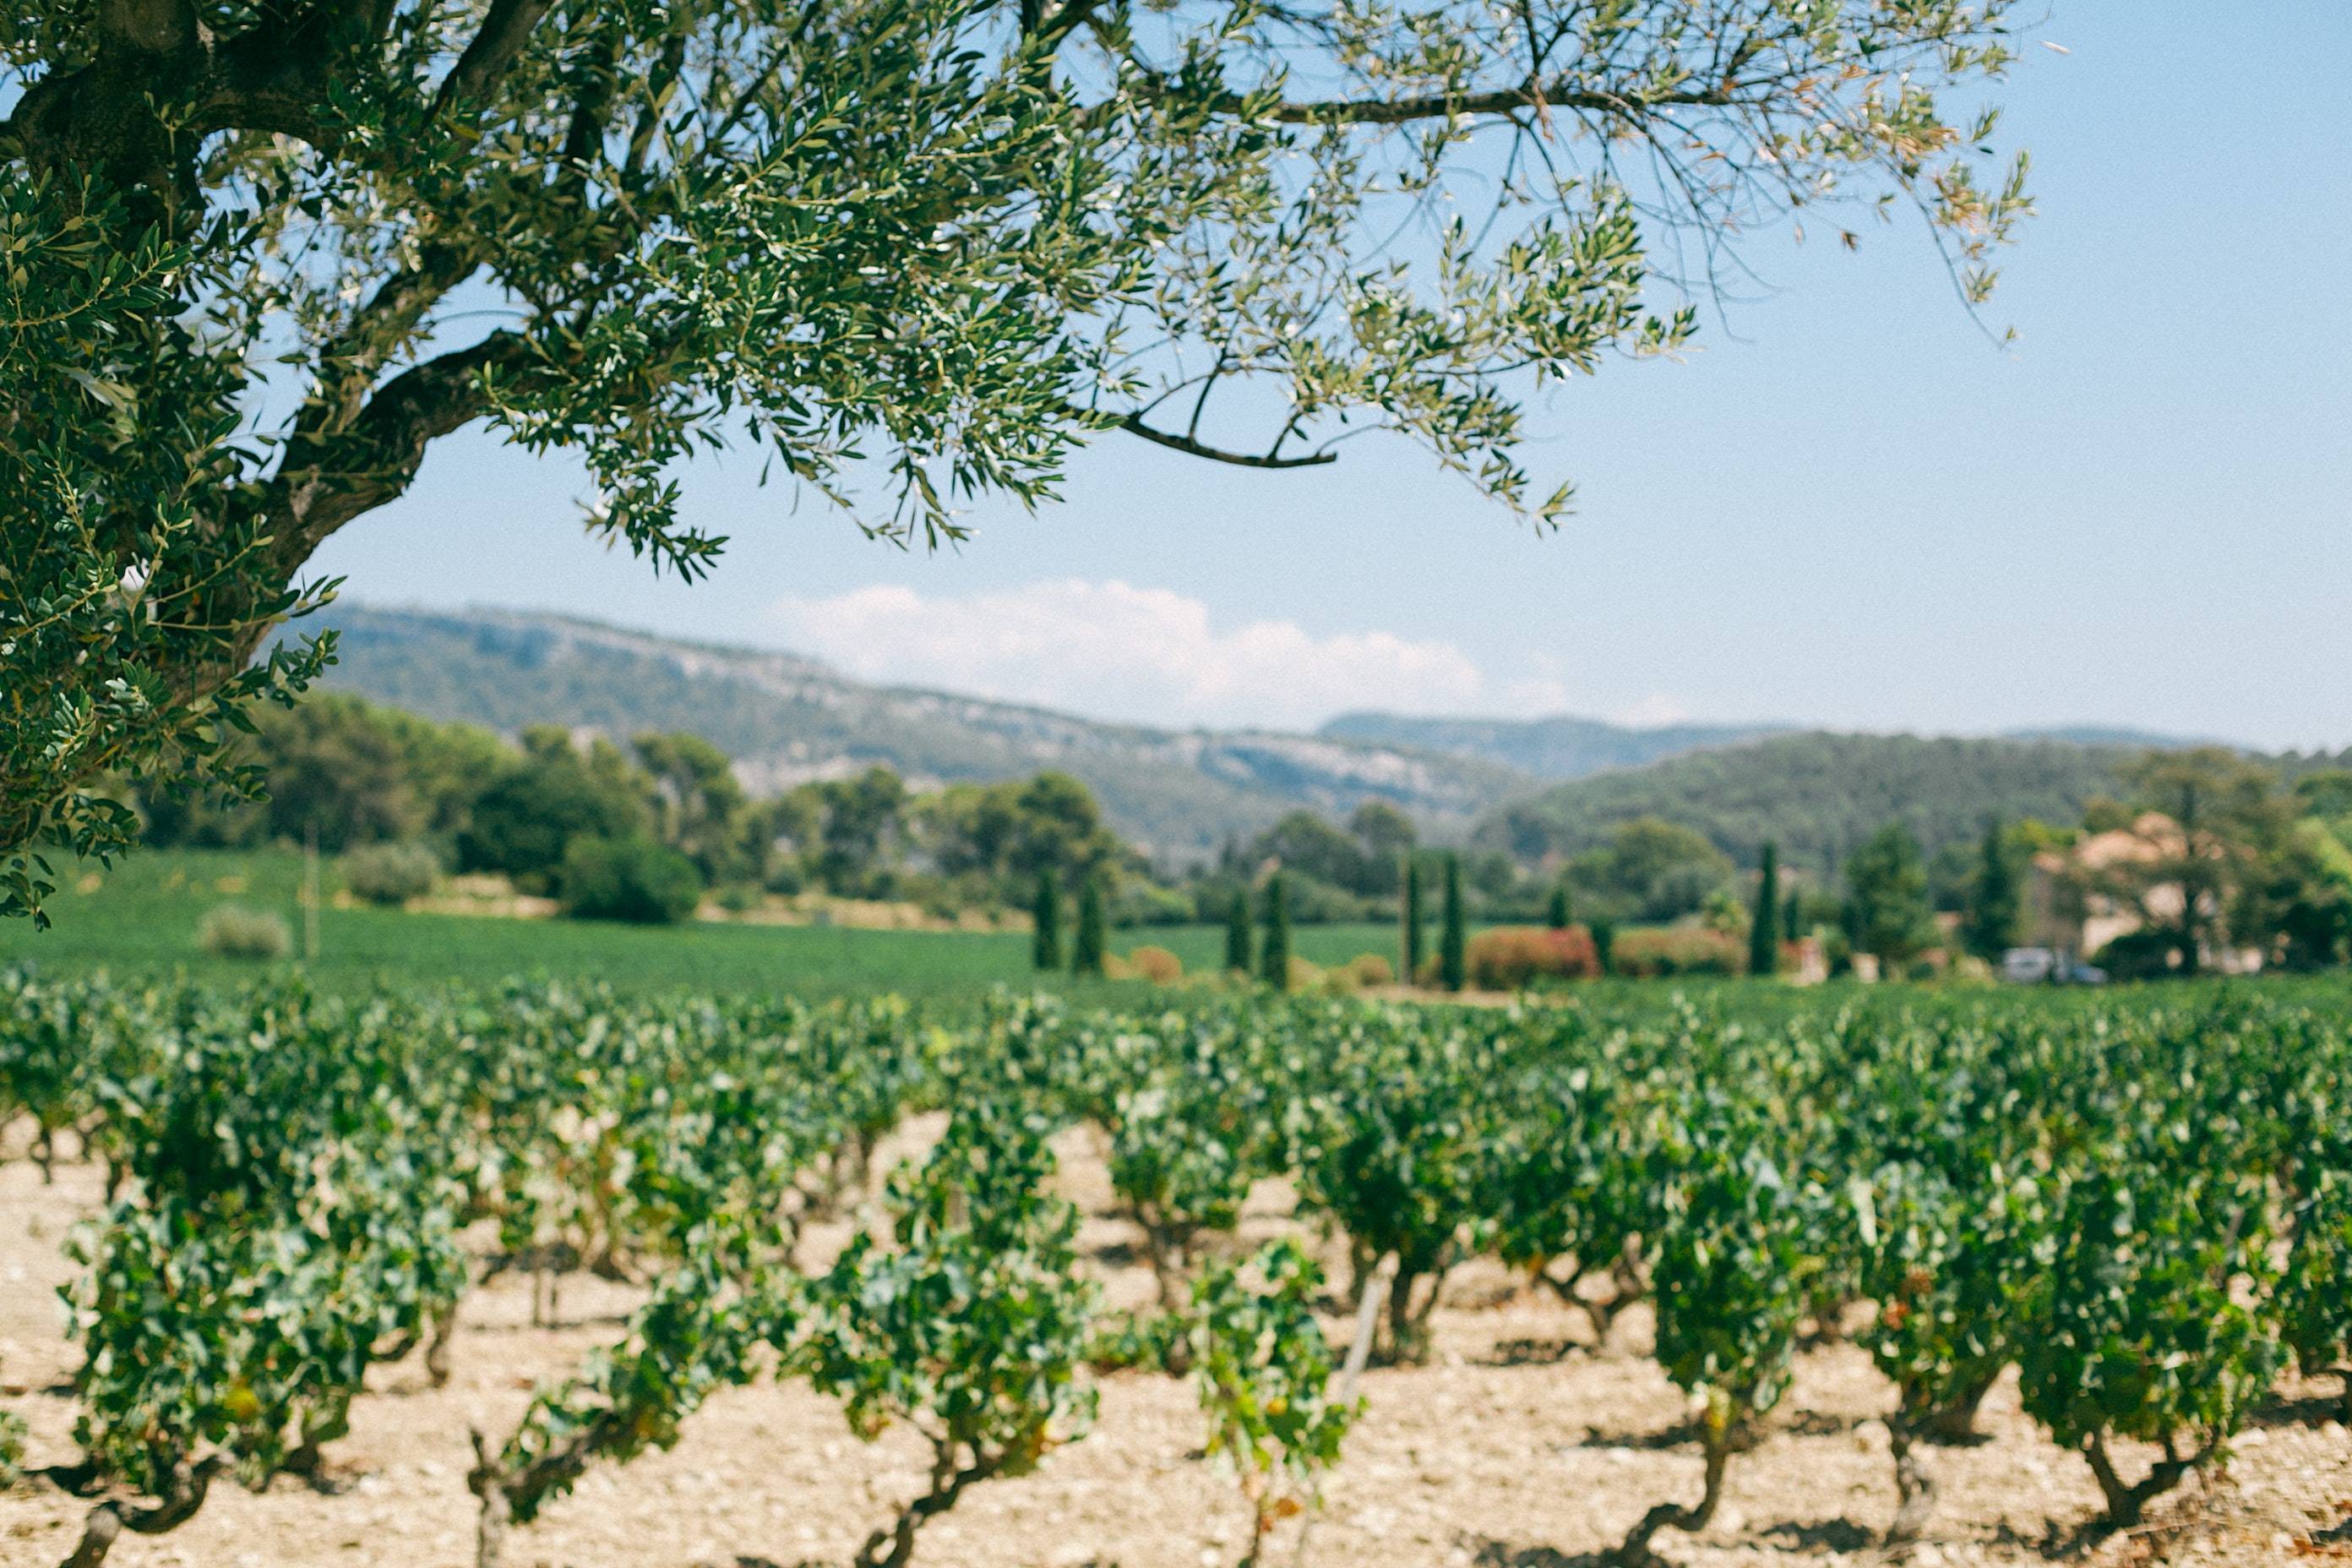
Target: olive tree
258, 256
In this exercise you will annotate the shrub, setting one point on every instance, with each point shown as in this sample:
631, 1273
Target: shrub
1731, 1275
1141, 903
2314, 1297
634, 879
696, 1333
390, 873
234, 930
2151, 953
1313, 901
1676, 950
1264, 1372
1156, 964
1948, 1255
1359, 973
1508, 958
2147, 1323
971, 1328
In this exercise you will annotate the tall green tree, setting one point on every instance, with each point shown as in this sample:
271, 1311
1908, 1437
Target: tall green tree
1888, 912
1045, 923
2326, 793
1410, 914
1561, 914
1089, 946
336, 767
1003, 833
1237, 932
1308, 845
1386, 836
699, 808
2303, 899
1274, 954
1996, 905
525, 821
1763, 933
1654, 871
911, 250
1453, 931
860, 825
2230, 817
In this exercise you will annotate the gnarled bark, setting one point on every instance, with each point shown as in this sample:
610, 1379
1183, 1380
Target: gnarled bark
1635, 1552
1915, 1485
105, 1523
2127, 1503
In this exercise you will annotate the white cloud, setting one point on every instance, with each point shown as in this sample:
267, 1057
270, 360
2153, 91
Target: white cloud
1655, 712
1146, 655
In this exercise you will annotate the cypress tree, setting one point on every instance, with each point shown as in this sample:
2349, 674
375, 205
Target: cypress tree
1792, 918
1411, 917
1452, 935
1763, 938
1237, 932
1604, 937
1275, 961
1562, 913
1995, 901
1045, 944
1086, 951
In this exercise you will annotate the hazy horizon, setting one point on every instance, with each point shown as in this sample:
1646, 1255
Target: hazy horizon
2083, 725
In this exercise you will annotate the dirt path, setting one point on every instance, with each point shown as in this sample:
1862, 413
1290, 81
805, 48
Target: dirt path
1502, 1455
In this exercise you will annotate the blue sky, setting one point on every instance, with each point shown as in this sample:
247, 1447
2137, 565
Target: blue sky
1846, 508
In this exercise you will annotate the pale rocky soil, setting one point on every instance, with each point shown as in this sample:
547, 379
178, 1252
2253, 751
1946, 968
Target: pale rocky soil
1503, 1454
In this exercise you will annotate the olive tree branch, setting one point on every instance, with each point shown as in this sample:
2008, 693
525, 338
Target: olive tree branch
1134, 426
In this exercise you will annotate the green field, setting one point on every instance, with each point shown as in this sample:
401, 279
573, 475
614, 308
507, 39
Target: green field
140, 917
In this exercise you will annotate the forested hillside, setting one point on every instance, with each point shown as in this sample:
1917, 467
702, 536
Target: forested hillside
1818, 794
785, 719
1557, 748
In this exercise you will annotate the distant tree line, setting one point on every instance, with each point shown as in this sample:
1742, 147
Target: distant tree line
2241, 855
641, 831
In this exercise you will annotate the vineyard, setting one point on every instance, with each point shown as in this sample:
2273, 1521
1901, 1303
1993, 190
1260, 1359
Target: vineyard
972, 1236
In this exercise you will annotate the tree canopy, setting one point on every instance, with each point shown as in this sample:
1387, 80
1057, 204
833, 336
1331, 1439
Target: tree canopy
258, 256
1888, 912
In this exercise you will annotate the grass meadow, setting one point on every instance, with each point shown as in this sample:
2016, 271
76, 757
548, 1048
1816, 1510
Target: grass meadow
140, 917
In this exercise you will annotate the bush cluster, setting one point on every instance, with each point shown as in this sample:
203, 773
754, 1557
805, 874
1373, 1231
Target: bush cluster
1511, 958
1657, 952
634, 879
239, 930
390, 873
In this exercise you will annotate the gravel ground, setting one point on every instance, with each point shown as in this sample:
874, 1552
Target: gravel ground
1520, 1446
